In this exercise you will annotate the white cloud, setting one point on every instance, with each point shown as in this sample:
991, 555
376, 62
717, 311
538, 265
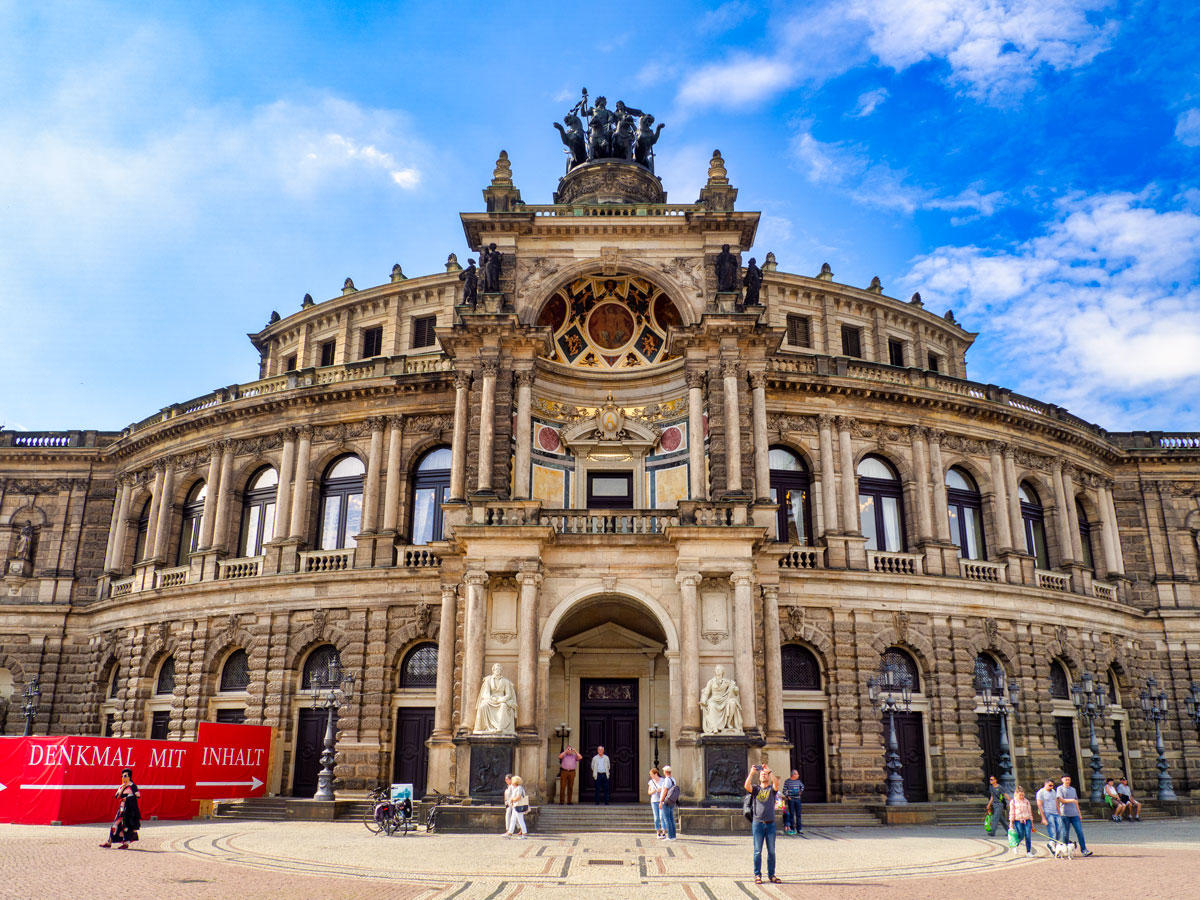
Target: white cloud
726, 16
1100, 312
869, 102
1187, 129
849, 169
737, 82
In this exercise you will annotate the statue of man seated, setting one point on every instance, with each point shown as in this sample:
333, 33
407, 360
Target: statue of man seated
721, 705
496, 708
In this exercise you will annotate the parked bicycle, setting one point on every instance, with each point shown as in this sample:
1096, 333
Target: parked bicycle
388, 816
439, 800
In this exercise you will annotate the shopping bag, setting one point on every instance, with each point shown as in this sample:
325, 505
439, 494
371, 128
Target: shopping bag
987, 824
1013, 837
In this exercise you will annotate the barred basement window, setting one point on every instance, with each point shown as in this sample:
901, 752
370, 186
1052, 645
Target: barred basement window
989, 674
798, 331
166, 677
894, 656
419, 669
318, 665
422, 333
235, 675
372, 342
800, 669
328, 348
851, 341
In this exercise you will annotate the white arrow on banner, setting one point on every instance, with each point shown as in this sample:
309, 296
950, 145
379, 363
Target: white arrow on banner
3, 786
99, 787
253, 783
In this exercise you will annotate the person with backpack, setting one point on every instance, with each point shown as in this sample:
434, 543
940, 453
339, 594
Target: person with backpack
668, 799
762, 815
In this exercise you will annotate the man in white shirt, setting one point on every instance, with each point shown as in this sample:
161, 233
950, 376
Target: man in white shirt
1068, 809
1047, 804
601, 768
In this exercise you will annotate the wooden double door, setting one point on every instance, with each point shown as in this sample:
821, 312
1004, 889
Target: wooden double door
805, 730
310, 741
608, 718
410, 757
910, 736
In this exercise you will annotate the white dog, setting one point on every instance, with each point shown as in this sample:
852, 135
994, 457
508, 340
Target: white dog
1062, 849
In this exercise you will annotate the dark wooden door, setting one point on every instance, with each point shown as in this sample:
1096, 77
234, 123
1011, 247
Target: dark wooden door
804, 728
608, 717
310, 741
160, 725
410, 760
1064, 736
911, 738
989, 743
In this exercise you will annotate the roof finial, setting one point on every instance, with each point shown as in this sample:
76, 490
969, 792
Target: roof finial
307, 301
398, 274
826, 273
876, 286
348, 286
452, 265
716, 169
502, 176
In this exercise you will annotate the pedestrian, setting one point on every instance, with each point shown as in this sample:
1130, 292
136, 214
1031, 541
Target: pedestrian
668, 799
762, 806
1047, 803
1021, 817
1068, 809
508, 813
997, 804
793, 790
520, 806
568, 763
128, 819
601, 768
1131, 805
654, 791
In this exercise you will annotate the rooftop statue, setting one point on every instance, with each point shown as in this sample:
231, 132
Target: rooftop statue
647, 137
470, 279
489, 264
753, 283
620, 133
726, 265
573, 139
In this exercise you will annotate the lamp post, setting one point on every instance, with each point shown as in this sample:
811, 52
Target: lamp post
883, 688
562, 732
992, 690
1090, 700
33, 697
338, 685
1154, 705
657, 734
1192, 701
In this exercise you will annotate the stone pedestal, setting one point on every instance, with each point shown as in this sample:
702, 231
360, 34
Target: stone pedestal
726, 761
279, 558
941, 558
487, 758
728, 301
491, 303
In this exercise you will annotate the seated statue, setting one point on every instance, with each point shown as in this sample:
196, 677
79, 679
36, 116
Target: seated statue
720, 705
496, 708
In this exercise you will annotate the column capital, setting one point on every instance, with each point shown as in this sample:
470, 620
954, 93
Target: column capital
691, 579
997, 447
449, 593
228, 446
936, 436
475, 576
758, 379
770, 592
462, 380
1068, 470
396, 423
845, 423
825, 420
290, 433
304, 431
489, 367
523, 377
730, 368
160, 465
525, 577
918, 432
695, 379
376, 423
741, 579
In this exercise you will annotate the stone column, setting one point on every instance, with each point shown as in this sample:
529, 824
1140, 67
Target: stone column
762, 442
1004, 533
474, 631
391, 497
937, 477
828, 479
1016, 523
156, 494
524, 380
115, 553
689, 584
283, 494
487, 424
772, 640
1068, 483
162, 527
696, 471
1110, 508
1061, 523
224, 499
850, 518
733, 427
743, 644
208, 518
299, 522
921, 470
443, 712
458, 449
370, 513
1108, 535
529, 578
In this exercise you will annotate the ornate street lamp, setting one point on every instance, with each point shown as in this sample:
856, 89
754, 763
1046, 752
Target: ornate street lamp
992, 690
890, 690
562, 732
1192, 701
657, 734
32, 697
338, 685
1090, 701
1154, 705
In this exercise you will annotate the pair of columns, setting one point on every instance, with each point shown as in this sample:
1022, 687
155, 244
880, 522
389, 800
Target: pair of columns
731, 374
840, 517
488, 371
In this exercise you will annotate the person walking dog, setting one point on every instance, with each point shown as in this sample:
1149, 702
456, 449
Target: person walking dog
762, 808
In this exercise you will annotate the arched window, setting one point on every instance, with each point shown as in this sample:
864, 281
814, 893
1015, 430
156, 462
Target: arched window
431, 486
905, 664
166, 677
880, 508
114, 683
193, 512
801, 672
965, 509
1114, 688
1033, 516
790, 489
1085, 536
419, 668
341, 502
258, 511
235, 674
989, 675
1060, 684
317, 666
143, 531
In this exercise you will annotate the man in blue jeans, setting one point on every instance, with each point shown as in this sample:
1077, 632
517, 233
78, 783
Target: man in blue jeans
762, 808
1047, 804
667, 801
1068, 810
793, 789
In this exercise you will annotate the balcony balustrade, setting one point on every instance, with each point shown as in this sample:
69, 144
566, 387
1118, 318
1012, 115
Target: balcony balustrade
166, 578
895, 563
417, 557
1053, 581
600, 521
1104, 591
326, 560
982, 570
803, 557
242, 567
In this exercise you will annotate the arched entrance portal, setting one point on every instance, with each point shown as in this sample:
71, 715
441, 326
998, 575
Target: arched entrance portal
609, 681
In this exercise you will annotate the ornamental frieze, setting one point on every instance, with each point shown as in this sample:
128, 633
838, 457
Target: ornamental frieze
792, 424
656, 412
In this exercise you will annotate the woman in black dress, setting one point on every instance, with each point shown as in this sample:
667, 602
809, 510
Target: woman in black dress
128, 819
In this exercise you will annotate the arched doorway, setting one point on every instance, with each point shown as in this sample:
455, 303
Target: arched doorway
609, 681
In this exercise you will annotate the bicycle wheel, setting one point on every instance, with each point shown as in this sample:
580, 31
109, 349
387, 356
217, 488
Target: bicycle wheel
431, 821
403, 827
372, 824
391, 824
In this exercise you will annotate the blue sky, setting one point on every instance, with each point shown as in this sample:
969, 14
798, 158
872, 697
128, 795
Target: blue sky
172, 172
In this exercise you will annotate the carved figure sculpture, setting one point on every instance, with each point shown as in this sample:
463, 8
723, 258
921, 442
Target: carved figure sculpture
496, 708
599, 128
726, 265
624, 137
470, 279
24, 548
721, 705
647, 137
753, 283
489, 263
573, 139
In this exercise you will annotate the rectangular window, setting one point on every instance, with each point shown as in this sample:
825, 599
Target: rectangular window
160, 724
851, 341
934, 362
328, 348
798, 333
110, 723
234, 716
372, 342
422, 334
610, 490
289, 364
895, 352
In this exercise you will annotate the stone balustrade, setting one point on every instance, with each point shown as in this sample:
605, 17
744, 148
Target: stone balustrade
802, 557
326, 560
895, 563
506, 513
119, 587
242, 567
982, 570
713, 513
416, 557
166, 578
598, 521
1053, 581
1104, 591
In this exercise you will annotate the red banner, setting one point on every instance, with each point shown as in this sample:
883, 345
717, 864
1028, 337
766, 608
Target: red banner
74, 779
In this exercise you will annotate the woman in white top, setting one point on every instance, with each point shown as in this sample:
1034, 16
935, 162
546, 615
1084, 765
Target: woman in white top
508, 813
654, 788
520, 805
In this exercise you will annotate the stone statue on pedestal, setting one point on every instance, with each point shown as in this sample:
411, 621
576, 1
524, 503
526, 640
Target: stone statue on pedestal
24, 549
470, 279
721, 705
496, 708
726, 265
753, 283
489, 264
